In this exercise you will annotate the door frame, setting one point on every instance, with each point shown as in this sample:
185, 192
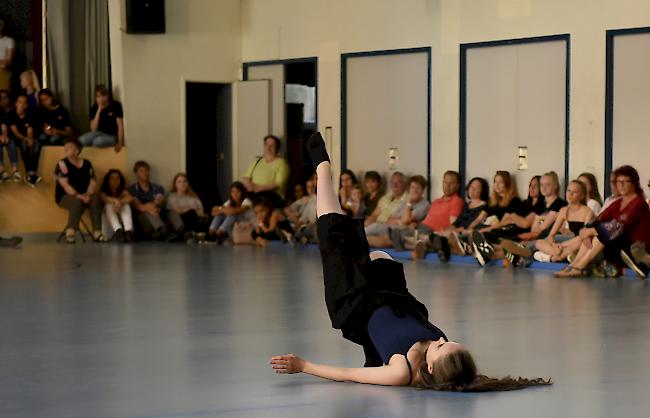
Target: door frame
462, 129
609, 96
344, 62
249, 64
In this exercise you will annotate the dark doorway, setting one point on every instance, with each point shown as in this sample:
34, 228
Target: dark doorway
301, 113
208, 110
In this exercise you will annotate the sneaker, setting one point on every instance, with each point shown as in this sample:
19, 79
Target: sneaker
10, 242
542, 257
128, 236
15, 176
118, 236
632, 265
511, 259
420, 250
4, 176
516, 248
640, 254
483, 251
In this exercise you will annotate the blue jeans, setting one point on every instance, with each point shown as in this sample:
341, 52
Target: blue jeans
224, 223
30, 156
11, 150
46, 139
97, 139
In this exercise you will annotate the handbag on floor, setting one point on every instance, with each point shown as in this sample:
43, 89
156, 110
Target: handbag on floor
242, 233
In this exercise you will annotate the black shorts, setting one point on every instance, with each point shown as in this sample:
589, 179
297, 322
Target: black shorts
354, 285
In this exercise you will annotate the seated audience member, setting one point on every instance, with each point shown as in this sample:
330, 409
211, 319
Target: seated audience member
7, 53
355, 206
562, 240
267, 176
184, 208
298, 191
30, 85
272, 225
106, 122
23, 127
541, 225
75, 190
117, 206
346, 181
623, 222
441, 214
302, 214
473, 214
7, 141
594, 201
388, 208
55, 119
407, 217
372, 183
238, 207
148, 201
5, 102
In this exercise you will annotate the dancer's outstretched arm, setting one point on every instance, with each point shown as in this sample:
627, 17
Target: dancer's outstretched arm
395, 373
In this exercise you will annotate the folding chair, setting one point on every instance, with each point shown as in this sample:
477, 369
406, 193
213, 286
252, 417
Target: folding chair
82, 225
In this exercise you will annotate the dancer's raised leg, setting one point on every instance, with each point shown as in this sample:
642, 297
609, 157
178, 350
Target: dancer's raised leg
326, 199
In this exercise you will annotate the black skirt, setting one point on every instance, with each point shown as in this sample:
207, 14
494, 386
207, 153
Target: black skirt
355, 286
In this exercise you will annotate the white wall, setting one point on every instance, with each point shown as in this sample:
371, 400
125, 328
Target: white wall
202, 43
280, 29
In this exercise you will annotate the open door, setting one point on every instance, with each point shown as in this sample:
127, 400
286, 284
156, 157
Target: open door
251, 122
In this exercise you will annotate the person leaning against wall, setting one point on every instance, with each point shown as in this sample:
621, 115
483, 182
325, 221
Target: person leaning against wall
267, 176
106, 122
55, 119
7, 51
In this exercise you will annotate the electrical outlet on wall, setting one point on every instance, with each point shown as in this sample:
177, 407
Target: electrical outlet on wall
392, 158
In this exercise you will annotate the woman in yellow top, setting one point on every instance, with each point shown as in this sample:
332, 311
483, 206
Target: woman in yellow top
267, 176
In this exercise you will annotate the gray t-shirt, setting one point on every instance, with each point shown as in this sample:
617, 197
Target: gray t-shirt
419, 210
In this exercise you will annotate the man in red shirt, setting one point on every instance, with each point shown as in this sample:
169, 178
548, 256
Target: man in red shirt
442, 213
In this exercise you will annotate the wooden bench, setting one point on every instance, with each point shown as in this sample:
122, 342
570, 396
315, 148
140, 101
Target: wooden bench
27, 210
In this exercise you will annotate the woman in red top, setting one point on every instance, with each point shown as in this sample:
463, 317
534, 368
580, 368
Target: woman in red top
625, 221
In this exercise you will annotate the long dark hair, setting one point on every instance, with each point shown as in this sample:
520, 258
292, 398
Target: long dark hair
106, 188
456, 372
629, 171
242, 189
485, 188
349, 173
594, 193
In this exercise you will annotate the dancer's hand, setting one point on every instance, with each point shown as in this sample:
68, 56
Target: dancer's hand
287, 364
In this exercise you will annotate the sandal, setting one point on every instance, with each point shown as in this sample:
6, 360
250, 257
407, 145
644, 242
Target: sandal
99, 237
70, 239
570, 271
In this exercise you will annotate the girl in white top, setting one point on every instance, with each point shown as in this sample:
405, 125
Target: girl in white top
237, 208
117, 209
594, 201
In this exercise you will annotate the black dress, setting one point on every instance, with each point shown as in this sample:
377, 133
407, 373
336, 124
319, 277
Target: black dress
355, 286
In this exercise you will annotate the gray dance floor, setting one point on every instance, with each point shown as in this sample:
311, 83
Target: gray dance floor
162, 330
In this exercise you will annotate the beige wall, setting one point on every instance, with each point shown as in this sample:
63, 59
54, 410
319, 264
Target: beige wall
202, 43
278, 29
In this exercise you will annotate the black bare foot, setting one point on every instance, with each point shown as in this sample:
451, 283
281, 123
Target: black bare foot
316, 148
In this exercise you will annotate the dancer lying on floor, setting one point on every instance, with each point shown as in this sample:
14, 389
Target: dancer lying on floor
367, 299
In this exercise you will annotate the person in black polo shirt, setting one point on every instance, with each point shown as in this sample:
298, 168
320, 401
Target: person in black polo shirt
75, 190
55, 119
22, 129
106, 122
